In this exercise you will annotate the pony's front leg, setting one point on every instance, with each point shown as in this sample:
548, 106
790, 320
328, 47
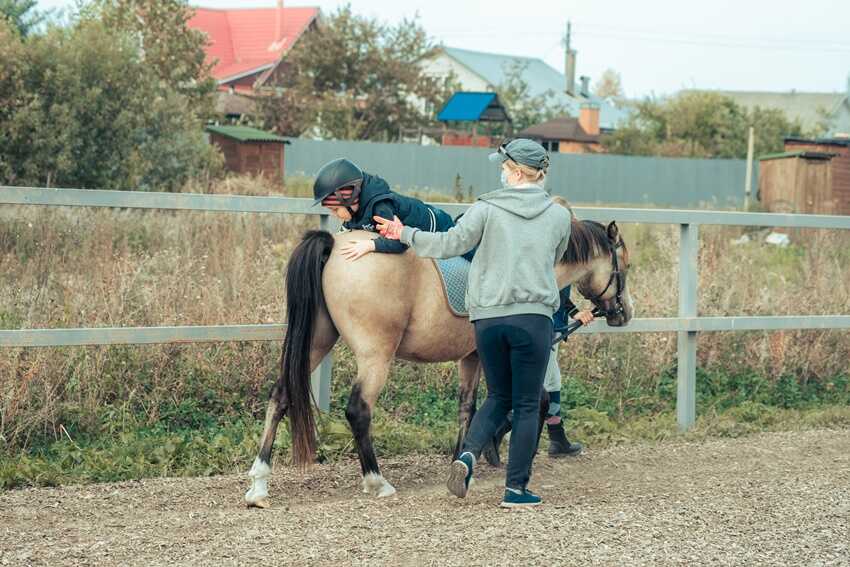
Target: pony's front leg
470, 375
370, 380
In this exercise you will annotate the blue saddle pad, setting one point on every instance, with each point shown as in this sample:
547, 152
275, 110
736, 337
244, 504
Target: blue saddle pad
454, 273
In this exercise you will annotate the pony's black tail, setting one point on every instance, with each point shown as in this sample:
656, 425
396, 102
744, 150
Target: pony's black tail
303, 299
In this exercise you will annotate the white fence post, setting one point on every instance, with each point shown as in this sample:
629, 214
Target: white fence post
687, 340
320, 381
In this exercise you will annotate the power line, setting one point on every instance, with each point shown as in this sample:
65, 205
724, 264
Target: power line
711, 40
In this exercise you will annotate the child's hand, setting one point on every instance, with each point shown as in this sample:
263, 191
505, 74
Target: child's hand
389, 228
357, 249
585, 316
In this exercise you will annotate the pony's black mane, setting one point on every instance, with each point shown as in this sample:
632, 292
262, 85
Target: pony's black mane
588, 239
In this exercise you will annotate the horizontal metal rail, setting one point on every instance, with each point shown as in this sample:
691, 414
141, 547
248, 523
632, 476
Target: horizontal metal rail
292, 205
687, 325
223, 333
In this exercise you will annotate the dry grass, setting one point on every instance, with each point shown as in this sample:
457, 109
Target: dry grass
62, 267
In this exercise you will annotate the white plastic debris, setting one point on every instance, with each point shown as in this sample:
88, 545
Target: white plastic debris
778, 239
744, 239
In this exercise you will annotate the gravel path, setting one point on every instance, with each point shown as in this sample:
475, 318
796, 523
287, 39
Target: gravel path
770, 499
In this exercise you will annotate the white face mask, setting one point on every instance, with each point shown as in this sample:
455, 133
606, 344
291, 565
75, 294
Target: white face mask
504, 178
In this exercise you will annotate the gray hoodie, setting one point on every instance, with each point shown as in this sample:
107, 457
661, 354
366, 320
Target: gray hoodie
520, 233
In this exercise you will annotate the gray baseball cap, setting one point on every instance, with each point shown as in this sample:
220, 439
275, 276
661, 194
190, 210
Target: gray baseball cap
523, 151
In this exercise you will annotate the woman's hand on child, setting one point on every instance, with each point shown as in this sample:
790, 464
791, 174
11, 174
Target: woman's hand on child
585, 316
357, 249
389, 228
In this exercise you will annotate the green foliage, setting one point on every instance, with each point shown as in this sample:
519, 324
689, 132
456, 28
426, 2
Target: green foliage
172, 50
700, 124
524, 108
354, 78
204, 426
83, 106
22, 15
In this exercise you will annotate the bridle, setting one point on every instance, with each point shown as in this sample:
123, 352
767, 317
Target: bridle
616, 276
562, 333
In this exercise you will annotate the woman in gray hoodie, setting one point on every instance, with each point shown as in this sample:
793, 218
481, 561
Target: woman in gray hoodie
512, 294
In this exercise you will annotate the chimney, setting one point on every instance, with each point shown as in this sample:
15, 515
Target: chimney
585, 86
570, 65
588, 118
277, 29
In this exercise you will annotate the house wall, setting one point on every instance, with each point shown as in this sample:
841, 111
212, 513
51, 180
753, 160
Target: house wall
839, 170
571, 147
255, 158
230, 149
797, 185
442, 65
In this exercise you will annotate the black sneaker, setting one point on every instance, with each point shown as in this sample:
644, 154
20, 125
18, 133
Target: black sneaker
559, 445
515, 498
460, 475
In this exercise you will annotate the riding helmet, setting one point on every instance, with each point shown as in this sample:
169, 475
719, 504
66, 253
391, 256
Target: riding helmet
335, 175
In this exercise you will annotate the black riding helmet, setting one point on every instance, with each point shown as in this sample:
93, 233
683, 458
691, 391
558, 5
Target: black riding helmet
335, 175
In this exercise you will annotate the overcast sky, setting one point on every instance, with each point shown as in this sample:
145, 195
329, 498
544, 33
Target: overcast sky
658, 46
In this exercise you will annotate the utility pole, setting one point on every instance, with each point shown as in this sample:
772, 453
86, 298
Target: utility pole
748, 183
570, 62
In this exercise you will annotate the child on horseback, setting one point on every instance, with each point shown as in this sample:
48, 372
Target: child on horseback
354, 197
511, 297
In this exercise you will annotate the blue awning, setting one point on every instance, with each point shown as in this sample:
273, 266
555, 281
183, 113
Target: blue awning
473, 107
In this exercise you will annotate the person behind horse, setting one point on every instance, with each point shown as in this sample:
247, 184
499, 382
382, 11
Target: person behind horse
511, 297
354, 197
559, 445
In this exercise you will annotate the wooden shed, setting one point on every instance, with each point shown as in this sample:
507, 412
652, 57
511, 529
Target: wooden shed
811, 176
249, 150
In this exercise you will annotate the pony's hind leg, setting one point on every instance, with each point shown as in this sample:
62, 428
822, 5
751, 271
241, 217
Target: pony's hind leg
470, 375
371, 377
257, 496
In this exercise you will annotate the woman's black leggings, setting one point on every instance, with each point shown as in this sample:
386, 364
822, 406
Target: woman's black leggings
514, 353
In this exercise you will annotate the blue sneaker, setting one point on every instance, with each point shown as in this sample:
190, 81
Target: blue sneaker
515, 498
460, 475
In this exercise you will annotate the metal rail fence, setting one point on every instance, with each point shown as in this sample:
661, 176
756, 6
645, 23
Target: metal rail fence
687, 325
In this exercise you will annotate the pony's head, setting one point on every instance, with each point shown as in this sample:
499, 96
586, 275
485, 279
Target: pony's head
604, 258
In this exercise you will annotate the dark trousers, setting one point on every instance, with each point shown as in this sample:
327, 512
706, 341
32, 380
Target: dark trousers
514, 352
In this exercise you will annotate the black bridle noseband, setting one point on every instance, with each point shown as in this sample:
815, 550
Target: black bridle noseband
616, 276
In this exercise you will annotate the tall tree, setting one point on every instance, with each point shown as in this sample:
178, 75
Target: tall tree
524, 108
85, 109
22, 15
610, 85
354, 78
173, 50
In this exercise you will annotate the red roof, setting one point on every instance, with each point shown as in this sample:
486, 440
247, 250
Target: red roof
245, 40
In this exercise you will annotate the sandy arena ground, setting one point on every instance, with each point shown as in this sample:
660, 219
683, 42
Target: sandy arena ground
770, 499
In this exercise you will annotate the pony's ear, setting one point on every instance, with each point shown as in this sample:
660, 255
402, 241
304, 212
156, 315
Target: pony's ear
613, 231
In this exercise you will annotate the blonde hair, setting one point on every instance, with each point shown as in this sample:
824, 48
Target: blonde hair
528, 173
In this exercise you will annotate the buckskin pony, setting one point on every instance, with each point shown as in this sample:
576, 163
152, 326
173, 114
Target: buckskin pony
386, 306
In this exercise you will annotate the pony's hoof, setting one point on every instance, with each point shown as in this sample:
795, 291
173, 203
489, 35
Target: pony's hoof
257, 497
376, 485
262, 503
